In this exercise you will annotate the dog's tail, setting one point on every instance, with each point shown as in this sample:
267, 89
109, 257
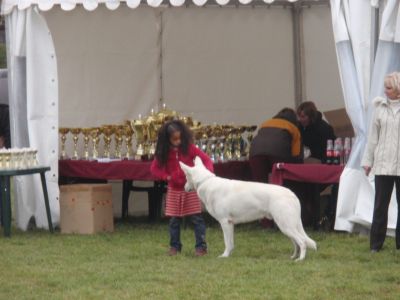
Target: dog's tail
309, 242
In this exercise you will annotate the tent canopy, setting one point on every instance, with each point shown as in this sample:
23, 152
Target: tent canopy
8, 5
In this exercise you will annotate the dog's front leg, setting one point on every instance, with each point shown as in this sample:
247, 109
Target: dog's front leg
227, 228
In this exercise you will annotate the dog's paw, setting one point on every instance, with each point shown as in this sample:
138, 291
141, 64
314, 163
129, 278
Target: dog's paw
223, 255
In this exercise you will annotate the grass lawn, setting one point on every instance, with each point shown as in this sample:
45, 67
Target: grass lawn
131, 263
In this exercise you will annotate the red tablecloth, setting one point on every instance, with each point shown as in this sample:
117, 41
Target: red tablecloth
316, 173
139, 170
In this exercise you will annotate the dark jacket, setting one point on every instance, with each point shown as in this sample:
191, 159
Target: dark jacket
278, 138
315, 137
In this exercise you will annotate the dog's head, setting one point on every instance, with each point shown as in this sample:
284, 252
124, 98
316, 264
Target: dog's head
194, 175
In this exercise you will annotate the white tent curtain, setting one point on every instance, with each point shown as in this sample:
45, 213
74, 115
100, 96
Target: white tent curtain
33, 92
352, 30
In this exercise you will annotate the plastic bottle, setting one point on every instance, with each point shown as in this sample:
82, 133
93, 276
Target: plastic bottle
329, 152
347, 149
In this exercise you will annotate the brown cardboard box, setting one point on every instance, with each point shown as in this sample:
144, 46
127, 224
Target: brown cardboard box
340, 122
86, 208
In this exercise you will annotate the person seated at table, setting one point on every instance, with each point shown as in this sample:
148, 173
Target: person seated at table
175, 144
315, 133
277, 140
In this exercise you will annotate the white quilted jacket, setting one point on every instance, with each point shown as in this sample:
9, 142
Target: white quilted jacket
382, 152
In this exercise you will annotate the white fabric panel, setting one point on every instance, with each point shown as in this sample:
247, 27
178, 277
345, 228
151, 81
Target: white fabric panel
352, 30
106, 60
390, 27
322, 80
228, 65
33, 111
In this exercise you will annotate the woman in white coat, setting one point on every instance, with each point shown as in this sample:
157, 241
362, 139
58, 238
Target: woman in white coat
382, 154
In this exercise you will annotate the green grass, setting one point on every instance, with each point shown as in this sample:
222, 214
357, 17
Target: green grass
131, 263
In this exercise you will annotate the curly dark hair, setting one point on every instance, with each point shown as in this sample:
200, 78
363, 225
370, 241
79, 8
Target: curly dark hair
163, 141
287, 114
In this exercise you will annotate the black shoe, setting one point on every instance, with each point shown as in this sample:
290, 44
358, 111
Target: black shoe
374, 250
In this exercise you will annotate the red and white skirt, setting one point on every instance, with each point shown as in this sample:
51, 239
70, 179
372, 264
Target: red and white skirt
179, 203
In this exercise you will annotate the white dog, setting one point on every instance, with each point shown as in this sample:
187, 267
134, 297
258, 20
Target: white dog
234, 201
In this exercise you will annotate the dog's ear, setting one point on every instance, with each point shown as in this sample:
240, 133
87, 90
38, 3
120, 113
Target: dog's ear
198, 161
184, 167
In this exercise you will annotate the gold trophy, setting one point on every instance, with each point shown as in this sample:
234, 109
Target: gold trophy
75, 137
228, 153
119, 137
95, 135
250, 131
128, 132
86, 137
63, 132
140, 130
107, 131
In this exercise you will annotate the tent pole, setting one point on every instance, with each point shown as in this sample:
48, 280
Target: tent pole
297, 53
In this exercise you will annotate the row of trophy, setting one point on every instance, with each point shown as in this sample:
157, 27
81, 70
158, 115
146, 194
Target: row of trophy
220, 142
18, 158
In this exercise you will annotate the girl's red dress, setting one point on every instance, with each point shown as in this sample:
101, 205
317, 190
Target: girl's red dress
179, 203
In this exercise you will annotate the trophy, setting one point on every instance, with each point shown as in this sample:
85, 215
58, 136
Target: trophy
119, 137
128, 132
107, 131
75, 137
250, 131
152, 126
63, 132
86, 138
227, 130
95, 135
140, 130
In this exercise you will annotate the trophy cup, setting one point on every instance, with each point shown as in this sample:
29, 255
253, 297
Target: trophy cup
95, 135
75, 137
250, 131
119, 134
151, 133
63, 132
107, 131
86, 138
139, 128
227, 129
128, 132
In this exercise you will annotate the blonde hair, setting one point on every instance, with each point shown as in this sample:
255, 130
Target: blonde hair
393, 79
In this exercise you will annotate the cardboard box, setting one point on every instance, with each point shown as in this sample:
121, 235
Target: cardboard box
340, 122
86, 208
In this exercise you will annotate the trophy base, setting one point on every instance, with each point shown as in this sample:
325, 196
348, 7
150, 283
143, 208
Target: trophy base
141, 157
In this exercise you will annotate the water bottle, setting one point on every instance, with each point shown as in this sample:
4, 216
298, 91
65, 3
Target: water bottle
337, 152
329, 152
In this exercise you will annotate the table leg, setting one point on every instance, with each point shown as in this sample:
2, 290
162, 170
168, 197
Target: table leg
46, 201
6, 212
316, 207
126, 189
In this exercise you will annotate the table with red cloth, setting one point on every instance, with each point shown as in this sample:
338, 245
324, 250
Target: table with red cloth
135, 170
316, 173
308, 173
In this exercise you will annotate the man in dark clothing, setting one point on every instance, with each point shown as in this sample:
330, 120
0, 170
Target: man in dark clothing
314, 130
315, 134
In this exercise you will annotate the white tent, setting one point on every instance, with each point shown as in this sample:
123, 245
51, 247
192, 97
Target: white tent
71, 61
